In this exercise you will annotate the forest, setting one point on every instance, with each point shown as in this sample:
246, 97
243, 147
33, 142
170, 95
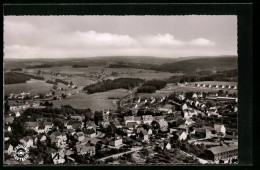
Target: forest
124, 83
79, 66
14, 78
151, 86
227, 75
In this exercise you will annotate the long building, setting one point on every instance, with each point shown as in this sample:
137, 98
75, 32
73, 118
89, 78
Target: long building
222, 153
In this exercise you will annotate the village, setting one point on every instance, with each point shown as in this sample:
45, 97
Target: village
197, 127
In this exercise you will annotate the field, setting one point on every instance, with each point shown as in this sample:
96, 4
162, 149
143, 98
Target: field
32, 86
215, 83
172, 87
123, 72
97, 101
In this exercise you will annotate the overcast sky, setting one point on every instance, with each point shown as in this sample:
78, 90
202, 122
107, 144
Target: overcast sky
90, 36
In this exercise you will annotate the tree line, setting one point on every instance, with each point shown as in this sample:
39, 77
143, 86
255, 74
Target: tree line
151, 86
14, 78
227, 75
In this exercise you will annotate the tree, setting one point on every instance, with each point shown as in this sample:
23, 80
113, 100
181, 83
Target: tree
63, 95
155, 125
98, 116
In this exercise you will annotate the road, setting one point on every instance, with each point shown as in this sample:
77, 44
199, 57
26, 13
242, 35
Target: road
202, 161
120, 154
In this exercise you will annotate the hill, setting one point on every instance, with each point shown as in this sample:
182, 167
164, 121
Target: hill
199, 64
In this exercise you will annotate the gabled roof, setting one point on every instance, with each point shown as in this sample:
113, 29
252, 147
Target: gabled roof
147, 117
41, 127
88, 131
217, 127
129, 118
221, 149
31, 124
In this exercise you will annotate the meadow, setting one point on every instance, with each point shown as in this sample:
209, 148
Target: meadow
96, 102
189, 88
32, 86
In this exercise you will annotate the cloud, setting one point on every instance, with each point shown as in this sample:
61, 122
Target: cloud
28, 40
202, 42
167, 40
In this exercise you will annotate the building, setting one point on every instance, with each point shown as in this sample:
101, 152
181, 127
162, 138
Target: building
116, 141
147, 119
224, 153
220, 129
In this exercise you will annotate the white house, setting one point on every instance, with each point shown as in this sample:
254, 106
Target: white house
194, 95
168, 146
17, 114
220, 128
183, 136
184, 106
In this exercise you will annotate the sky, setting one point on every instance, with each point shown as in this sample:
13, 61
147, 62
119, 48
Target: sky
90, 36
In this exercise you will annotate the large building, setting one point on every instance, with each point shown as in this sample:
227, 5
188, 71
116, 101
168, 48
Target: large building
222, 153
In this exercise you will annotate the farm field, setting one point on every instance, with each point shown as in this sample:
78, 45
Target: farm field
32, 86
124, 72
96, 102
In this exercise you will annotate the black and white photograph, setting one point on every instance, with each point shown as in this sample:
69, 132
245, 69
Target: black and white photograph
120, 89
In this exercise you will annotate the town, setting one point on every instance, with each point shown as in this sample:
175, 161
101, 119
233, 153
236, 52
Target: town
165, 126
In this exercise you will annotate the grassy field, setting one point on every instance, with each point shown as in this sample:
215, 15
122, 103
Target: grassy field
124, 72
32, 86
97, 101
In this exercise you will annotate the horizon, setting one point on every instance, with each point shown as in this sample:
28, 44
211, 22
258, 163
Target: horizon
93, 36
191, 57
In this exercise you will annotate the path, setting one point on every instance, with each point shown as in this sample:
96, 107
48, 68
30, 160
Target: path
120, 154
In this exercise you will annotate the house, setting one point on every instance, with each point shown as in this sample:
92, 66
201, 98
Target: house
58, 135
138, 120
145, 136
203, 132
90, 133
147, 119
164, 145
79, 136
183, 136
58, 157
14, 108
9, 120
159, 118
197, 103
200, 95
194, 96
77, 117
43, 138
27, 141
131, 125
150, 132
116, 141
220, 129
8, 149
166, 108
31, 125
189, 122
163, 126
72, 124
91, 125
17, 114
128, 119
225, 152
41, 129
187, 114
184, 107
48, 125
183, 128
85, 149
8, 129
